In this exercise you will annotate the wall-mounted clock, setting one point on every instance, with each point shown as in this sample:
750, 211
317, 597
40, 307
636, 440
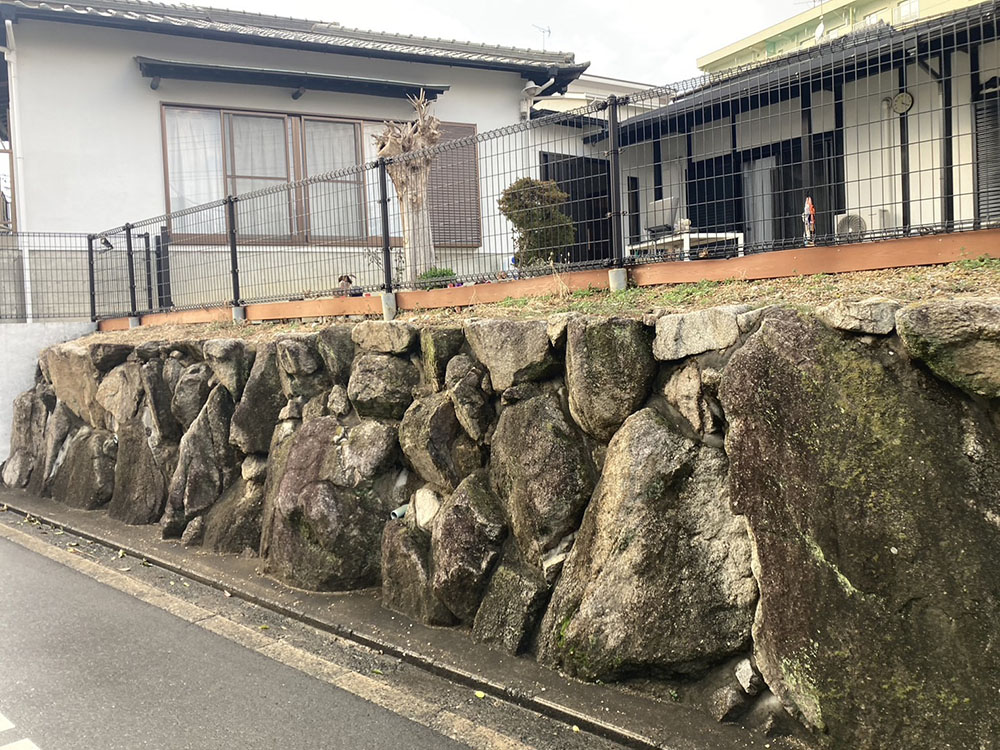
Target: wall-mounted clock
902, 102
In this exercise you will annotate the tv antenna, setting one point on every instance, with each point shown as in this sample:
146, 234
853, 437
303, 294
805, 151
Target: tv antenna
546, 32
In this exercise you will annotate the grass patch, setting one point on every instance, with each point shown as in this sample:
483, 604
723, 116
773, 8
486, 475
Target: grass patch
982, 263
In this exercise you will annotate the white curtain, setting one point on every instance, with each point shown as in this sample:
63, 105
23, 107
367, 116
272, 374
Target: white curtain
334, 206
758, 200
260, 160
194, 167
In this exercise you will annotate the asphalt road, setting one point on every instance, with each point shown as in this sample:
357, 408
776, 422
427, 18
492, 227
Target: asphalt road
83, 666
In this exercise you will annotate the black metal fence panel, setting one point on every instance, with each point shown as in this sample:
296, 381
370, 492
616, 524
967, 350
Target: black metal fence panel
43, 276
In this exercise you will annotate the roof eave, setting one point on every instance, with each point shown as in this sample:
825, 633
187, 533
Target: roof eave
536, 72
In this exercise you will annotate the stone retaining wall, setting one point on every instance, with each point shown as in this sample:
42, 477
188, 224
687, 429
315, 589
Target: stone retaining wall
775, 511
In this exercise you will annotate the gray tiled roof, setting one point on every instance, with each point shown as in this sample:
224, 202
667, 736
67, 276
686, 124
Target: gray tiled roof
257, 28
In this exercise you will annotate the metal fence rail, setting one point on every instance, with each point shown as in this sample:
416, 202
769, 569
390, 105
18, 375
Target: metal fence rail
882, 133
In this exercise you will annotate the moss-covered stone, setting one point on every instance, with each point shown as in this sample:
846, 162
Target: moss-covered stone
959, 340
658, 579
438, 344
871, 493
609, 370
328, 497
541, 470
381, 385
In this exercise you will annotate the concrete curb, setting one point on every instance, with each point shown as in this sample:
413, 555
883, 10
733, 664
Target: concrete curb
550, 709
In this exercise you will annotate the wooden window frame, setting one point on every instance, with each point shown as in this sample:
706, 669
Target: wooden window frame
296, 170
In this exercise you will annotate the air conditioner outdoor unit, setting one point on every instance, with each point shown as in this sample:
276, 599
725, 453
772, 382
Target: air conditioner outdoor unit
850, 227
854, 226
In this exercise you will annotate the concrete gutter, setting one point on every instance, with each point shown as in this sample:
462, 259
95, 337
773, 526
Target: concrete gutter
631, 720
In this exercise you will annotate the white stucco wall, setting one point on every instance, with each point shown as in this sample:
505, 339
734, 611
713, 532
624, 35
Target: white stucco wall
21, 344
90, 146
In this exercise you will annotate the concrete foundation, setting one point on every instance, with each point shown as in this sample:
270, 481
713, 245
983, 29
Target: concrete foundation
388, 305
617, 279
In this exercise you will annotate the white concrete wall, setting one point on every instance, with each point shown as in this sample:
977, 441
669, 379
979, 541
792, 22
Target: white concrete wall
871, 149
90, 142
21, 344
963, 142
926, 123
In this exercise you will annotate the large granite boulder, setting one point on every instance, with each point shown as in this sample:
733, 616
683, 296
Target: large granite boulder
27, 438
690, 390
466, 536
328, 495
75, 371
514, 601
609, 371
542, 471
384, 336
514, 351
875, 315
658, 580
434, 443
191, 393
381, 385
682, 335
61, 425
140, 492
230, 361
300, 367
959, 340
438, 344
158, 396
206, 463
232, 525
120, 393
871, 494
86, 476
256, 415
336, 349
473, 409
406, 584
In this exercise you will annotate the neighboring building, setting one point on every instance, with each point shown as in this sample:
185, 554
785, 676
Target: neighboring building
824, 22
588, 89
121, 110
890, 132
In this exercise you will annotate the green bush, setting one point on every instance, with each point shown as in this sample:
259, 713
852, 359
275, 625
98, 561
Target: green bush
543, 232
435, 278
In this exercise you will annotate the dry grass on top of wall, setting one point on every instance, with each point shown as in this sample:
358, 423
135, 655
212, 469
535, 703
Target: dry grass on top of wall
975, 277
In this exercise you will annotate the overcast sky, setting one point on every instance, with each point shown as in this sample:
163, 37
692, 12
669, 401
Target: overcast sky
649, 41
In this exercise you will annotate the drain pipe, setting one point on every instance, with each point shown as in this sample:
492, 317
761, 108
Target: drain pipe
14, 125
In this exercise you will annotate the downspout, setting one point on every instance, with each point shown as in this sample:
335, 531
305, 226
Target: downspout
14, 124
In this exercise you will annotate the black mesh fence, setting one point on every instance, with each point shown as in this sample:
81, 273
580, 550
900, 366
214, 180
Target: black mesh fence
43, 276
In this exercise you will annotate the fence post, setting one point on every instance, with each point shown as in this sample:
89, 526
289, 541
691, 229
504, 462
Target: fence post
132, 306
383, 201
163, 292
149, 274
617, 241
234, 259
90, 277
